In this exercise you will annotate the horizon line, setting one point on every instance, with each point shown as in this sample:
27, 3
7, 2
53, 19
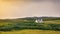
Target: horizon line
26, 16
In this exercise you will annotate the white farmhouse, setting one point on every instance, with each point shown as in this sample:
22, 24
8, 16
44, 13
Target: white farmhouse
39, 20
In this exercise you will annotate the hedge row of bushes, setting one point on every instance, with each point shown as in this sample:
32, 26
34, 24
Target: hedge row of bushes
20, 26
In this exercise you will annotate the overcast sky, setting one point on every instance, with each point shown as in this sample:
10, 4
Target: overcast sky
13, 9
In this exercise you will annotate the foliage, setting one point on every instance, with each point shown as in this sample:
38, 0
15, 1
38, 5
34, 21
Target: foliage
28, 23
20, 26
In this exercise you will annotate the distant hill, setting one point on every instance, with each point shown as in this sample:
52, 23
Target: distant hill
30, 19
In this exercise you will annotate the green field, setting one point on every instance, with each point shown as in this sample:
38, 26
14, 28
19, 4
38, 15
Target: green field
46, 25
32, 32
53, 22
28, 26
47, 22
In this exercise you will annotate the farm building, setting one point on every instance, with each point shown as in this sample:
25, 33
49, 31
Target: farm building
39, 20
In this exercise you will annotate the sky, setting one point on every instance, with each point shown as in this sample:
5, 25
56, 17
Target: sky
25, 8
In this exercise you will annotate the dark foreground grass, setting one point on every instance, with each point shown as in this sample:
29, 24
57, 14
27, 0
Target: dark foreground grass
21, 26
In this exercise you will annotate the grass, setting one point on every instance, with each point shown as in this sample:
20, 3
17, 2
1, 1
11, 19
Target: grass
47, 25
53, 22
32, 32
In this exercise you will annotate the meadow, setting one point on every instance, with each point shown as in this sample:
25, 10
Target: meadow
29, 26
32, 32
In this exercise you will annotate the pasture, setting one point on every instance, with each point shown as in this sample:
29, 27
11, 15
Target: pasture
28, 26
32, 32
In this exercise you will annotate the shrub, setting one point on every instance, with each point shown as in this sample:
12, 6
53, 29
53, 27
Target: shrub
20, 26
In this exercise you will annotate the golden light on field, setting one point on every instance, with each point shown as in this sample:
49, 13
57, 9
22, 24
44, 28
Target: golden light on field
11, 9
32, 32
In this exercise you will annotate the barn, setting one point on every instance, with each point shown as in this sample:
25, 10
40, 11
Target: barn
39, 20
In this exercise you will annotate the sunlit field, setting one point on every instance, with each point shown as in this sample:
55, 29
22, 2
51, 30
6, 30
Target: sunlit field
54, 21
32, 32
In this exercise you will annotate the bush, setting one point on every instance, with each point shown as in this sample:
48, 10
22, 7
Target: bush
20, 26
